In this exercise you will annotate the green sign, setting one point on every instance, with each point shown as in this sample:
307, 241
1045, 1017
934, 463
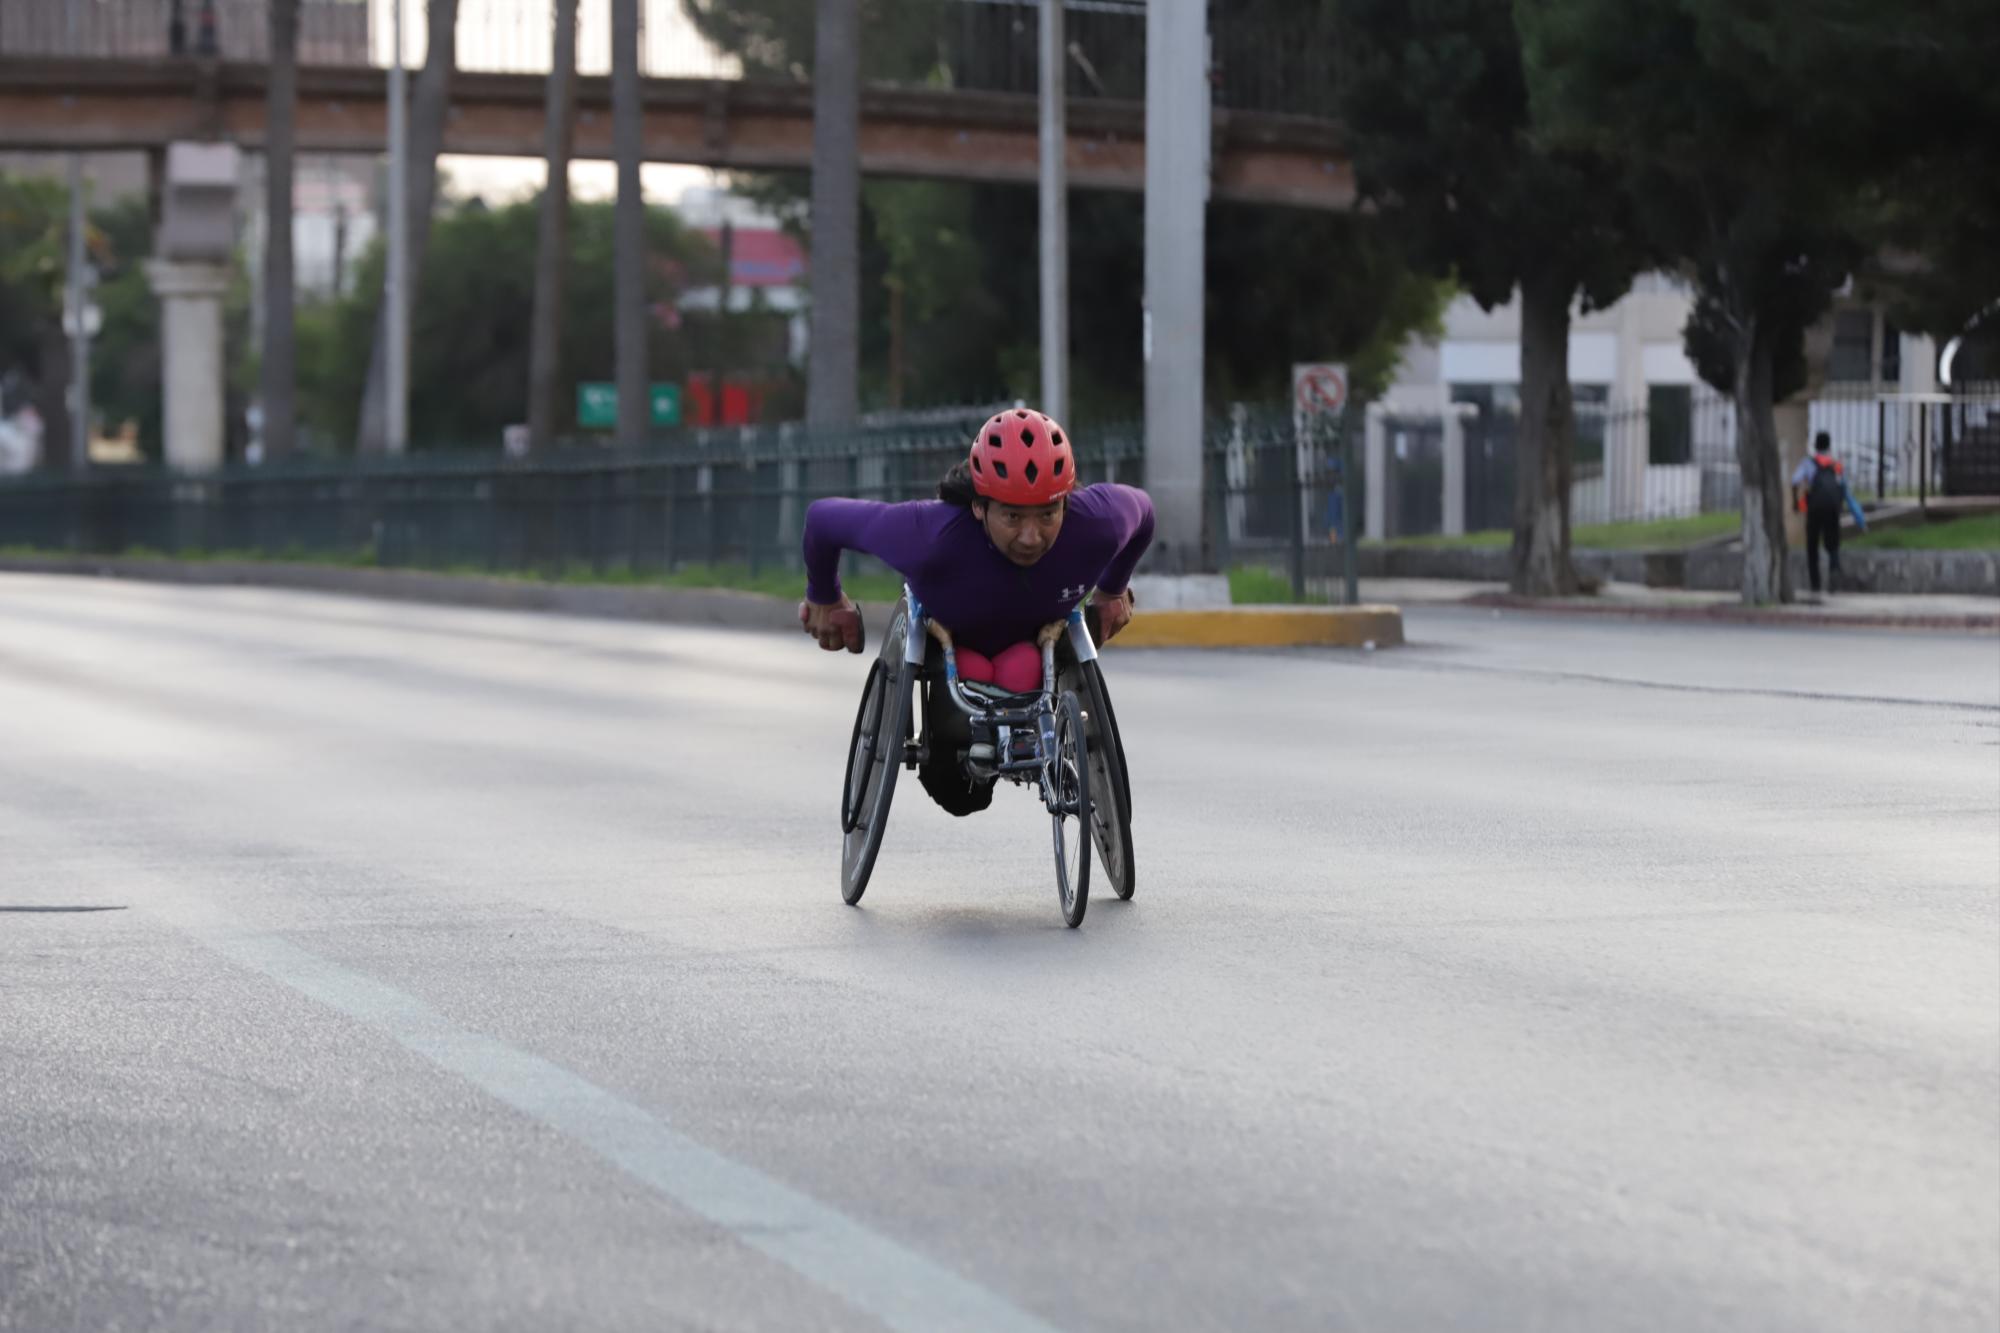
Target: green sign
597, 405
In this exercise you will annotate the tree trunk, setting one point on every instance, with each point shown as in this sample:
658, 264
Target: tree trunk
628, 238
1545, 447
1767, 573
429, 103
279, 376
833, 396
552, 236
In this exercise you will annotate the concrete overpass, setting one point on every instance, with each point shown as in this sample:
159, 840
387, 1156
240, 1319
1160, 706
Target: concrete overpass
100, 104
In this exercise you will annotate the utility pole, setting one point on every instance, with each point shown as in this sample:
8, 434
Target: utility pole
280, 380
396, 436
1177, 147
628, 230
77, 295
1055, 217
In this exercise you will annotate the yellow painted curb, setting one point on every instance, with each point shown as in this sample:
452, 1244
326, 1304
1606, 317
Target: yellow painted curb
1265, 627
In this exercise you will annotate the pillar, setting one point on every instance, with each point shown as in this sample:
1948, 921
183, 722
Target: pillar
190, 293
1375, 468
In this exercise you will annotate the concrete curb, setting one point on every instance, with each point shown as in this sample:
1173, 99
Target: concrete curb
1265, 627
1238, 627
1798, 617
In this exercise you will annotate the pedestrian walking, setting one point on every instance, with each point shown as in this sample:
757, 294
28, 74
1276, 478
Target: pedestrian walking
1819, 488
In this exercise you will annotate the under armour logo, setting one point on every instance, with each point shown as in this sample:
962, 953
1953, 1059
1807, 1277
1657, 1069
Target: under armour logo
1074, 594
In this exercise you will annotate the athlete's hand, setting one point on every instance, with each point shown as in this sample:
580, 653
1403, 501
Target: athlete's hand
1114, 612
835, 627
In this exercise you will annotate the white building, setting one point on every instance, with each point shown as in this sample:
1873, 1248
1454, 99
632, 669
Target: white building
1652, 440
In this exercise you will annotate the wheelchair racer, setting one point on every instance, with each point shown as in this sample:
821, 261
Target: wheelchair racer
1011, 544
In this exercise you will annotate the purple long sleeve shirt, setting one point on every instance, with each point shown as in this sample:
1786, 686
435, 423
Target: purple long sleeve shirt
988, 602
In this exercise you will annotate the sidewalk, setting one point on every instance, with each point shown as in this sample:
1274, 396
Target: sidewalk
1842, 610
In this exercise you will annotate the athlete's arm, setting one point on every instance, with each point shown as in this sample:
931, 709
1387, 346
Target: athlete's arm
1131, 512
899, 535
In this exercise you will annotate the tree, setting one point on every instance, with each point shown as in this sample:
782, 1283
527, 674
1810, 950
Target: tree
34, 355
1435, 102
470, 340
552, 239
429, 106
279, 361
1762, 143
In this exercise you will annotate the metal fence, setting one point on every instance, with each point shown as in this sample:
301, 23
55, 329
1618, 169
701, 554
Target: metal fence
1277, 64
1671, 455
726, 497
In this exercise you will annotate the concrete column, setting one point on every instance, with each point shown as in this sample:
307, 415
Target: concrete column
1375, 468
1625, 425
1454, 469
190, 293
1177, 148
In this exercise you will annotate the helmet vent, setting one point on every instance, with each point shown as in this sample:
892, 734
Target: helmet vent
1059, 465
1055, 436
1031, 472
1027, 437
995, 440
975, 464
1000, 469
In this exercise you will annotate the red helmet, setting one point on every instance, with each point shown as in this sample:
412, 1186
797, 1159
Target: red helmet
1022, 458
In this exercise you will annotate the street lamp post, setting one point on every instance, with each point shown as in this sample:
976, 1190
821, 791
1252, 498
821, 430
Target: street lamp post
396, 431
77, 295
1054, 218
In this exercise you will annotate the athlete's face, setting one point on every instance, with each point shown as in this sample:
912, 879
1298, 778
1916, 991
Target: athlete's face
1022, 535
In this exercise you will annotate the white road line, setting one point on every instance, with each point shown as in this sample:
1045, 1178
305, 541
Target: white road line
871, 1272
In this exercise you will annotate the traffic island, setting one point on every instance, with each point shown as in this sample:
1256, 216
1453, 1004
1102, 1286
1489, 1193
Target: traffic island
1366, 626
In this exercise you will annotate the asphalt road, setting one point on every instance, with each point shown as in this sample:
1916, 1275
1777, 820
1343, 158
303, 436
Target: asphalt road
470, 970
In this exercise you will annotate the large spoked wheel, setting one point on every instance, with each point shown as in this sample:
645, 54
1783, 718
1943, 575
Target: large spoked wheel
873, 757
1069, 812
1110, 785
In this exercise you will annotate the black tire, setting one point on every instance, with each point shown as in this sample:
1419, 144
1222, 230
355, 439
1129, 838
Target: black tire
871, 780
866, 717
1110, 785
1071, 780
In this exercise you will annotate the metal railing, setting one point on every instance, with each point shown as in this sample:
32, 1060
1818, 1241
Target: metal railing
1278, 64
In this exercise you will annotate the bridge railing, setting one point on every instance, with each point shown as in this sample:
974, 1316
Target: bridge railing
1276, 63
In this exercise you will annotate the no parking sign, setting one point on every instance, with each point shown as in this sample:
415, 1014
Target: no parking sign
1319, 394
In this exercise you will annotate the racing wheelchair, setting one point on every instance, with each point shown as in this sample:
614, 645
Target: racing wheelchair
1061, 740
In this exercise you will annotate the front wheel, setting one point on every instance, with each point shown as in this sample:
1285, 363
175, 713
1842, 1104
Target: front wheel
1110, 786
874, 755
1067, 782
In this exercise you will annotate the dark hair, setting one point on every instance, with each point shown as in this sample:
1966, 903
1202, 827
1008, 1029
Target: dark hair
1822, 442
956, 488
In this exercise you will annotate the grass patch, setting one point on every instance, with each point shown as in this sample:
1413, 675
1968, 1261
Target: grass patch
1260, 585
773, 581
1975, 532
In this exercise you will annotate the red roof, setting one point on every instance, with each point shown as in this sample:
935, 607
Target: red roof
762, 257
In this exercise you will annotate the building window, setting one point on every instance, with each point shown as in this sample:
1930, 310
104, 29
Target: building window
1853, 347
1892, 353
1669, 424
